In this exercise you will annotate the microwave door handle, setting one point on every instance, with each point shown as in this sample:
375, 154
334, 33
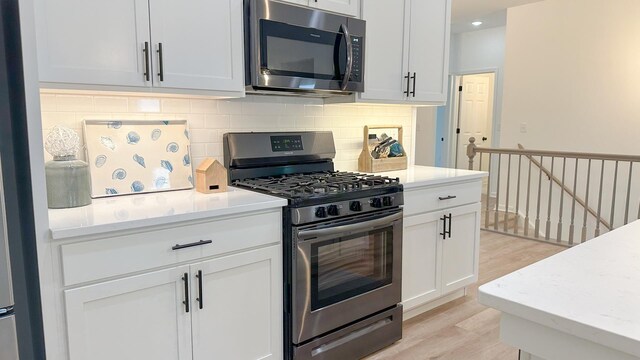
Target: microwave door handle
347, 73
337, 230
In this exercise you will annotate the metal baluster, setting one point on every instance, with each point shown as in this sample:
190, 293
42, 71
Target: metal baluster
597, 232
526, 218
626, 209
537, 228
487, 212
564, 167
506, 206
586, 205
495, 217
573, 205
547, 233
613, 197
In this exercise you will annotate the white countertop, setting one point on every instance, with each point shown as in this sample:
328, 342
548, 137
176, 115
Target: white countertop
419, 176
135, 211
591, 291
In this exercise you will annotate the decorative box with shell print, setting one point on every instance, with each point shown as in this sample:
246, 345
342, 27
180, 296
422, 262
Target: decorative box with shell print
137, 156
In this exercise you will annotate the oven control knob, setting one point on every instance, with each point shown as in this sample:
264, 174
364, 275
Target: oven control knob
321, 212
333, 210
387, 201
355, 206
376, 202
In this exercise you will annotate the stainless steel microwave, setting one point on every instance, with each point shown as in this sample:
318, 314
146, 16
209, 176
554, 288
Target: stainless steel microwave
295, 50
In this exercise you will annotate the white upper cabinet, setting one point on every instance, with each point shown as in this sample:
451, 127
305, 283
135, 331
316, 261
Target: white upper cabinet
346, 7
154, 45
429, 49
406, 53
385, 60
92, 42
201, 43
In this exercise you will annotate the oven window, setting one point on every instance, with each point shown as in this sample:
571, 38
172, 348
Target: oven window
349, 266
289, 50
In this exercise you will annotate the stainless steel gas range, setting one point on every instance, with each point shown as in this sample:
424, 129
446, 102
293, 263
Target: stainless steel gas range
342, 243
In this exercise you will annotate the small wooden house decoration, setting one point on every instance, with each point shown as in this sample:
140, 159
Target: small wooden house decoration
211, 177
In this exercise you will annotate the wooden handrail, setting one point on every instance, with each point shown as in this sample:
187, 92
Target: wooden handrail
565, 188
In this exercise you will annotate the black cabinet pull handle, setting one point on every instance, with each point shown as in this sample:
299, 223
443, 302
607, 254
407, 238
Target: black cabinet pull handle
186, 301
200, 299
447, 197
414, 85
160, 63
444, 227
408, 77
449, 232
147, 70
198, 243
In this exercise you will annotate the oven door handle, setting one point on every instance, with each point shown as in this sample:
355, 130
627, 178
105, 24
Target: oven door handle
368, 225
347, 73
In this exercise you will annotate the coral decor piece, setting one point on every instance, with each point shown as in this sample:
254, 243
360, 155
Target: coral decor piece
62, 142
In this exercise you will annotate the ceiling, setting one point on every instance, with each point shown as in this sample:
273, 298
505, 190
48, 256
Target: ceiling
492, 13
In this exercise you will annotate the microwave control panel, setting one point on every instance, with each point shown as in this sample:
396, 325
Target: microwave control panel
356, 73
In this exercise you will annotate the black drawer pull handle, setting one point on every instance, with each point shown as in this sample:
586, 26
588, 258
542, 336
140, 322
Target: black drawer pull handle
447, 197
199, 243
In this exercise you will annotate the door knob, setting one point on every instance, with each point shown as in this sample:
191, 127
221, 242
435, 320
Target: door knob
484, 138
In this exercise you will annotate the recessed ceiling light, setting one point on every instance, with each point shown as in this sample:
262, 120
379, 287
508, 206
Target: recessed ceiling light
476, 23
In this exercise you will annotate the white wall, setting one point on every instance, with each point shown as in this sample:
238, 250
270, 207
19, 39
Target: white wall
571, 74
210, 119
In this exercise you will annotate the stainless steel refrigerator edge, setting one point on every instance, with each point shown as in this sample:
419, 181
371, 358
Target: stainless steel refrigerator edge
8, 337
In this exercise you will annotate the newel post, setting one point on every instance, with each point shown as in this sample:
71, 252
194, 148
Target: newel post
471, 151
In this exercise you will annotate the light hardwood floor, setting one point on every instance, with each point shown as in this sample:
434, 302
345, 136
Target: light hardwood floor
463, 329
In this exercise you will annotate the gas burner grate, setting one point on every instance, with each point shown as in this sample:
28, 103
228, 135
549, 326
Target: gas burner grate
317, 184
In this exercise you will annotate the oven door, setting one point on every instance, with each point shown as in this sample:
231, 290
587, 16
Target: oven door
345, 271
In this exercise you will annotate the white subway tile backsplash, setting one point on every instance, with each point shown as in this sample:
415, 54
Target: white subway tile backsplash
210, 119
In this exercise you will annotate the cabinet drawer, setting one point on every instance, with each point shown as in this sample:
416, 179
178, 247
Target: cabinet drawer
120, 255
422, 200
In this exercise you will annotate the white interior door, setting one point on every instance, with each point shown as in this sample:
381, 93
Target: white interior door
476, 114
202, 44
92, 41
140, 317
241, 314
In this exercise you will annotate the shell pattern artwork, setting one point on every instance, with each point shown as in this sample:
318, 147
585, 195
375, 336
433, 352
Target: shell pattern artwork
62, 141
138, 156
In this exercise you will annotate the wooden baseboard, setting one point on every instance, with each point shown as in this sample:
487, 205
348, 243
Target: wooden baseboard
408, 314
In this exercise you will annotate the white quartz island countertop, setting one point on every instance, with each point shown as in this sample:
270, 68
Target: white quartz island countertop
419, 176
137, 211
590, 292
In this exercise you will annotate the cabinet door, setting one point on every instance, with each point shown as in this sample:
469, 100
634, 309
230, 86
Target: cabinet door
385, 60
92, 41
241, 314
429, 49
141, 317
202, 44
420, 267
347, 7
460, 251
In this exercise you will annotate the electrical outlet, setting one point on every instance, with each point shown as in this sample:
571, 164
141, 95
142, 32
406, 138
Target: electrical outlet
523, 127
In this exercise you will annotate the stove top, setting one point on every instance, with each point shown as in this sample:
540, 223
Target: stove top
318, 184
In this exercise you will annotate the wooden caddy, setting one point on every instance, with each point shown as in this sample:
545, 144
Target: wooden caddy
366, 162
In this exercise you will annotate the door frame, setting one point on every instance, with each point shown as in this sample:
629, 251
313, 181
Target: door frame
453, 110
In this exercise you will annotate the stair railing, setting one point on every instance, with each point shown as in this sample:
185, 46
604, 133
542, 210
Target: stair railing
517, 193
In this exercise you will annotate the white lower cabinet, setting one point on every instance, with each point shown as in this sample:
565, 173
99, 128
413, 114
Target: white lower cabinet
140, 317
224, 308
237, 314
440, 247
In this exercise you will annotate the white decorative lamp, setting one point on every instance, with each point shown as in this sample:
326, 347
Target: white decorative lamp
68, 181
